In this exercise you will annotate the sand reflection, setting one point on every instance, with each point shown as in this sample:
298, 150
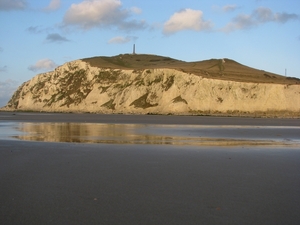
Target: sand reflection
156, 134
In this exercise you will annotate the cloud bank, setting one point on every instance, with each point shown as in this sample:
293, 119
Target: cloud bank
101, 14
259, 16
43, 65
7, 5
187, 19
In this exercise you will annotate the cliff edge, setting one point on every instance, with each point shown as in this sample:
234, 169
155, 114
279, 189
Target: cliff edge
148, 84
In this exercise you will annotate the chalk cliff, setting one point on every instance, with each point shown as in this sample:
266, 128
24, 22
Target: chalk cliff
80, 86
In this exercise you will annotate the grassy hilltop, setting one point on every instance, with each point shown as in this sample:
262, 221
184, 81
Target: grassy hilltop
223, 69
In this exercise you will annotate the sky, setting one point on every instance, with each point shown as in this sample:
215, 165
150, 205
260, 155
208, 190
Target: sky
38, 35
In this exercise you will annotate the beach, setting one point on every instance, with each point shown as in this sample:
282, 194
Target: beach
159, 181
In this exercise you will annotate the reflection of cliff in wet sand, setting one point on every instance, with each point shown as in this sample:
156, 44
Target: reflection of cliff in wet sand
157, 134
143, 84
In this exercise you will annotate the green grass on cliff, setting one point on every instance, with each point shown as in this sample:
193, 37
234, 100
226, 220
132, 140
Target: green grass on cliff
213, 68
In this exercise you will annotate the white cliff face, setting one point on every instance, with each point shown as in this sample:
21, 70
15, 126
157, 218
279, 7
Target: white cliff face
78, 87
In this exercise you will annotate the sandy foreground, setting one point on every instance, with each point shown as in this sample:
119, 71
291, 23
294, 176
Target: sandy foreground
78, 183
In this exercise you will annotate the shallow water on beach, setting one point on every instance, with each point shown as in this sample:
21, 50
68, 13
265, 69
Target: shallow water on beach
152, 134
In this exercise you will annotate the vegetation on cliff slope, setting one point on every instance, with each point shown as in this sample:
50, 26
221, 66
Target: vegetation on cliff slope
223, 69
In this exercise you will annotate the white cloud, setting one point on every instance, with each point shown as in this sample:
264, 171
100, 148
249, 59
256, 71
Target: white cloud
241, 21
259, 16
6, 5
102, 14
39, 29
7, 88
119, 40
43, 64
225, 9
53, 5
187, 19
54, 37
34, 30
229, 8
285, 17
136, 10
122, 40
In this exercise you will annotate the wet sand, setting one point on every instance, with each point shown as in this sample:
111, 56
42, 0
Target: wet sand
76, 183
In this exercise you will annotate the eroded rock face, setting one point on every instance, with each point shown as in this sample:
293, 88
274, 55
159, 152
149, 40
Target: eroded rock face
78, 87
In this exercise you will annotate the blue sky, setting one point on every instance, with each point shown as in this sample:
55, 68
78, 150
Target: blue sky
36, 36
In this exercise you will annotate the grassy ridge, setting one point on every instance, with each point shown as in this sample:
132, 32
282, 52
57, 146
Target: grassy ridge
223, 69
